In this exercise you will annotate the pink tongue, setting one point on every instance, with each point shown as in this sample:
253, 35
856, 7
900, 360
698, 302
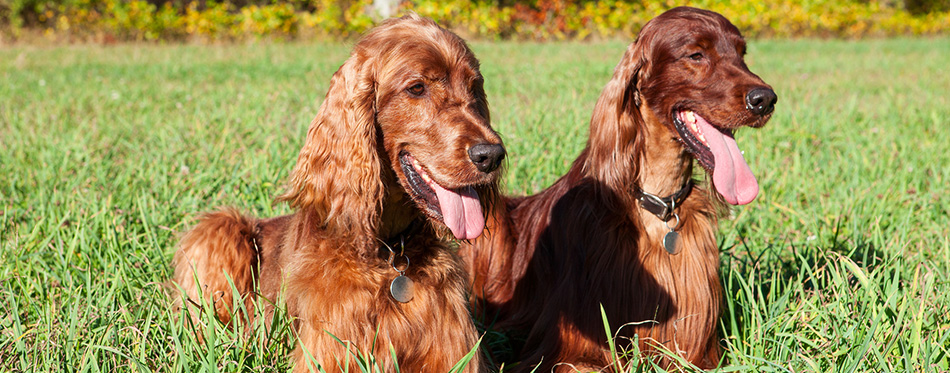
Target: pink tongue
461, 211
731, 175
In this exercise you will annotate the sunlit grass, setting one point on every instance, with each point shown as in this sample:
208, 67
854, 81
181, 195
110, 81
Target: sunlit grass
107, 153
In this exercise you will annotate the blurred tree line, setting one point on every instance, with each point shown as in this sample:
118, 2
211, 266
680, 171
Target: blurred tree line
499, 19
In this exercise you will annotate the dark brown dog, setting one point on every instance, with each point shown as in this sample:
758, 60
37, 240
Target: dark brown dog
400, 155
597, 236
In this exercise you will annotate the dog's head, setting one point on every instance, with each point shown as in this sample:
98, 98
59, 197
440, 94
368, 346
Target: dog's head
408, 103
687, 69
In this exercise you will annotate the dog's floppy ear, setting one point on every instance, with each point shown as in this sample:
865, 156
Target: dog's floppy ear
615, 142
337, 176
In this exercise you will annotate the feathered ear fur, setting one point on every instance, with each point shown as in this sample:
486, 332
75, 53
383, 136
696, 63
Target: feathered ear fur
614, 143
337, 176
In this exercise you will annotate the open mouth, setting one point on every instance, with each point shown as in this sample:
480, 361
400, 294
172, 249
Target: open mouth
717, 151
686, 123
459, 209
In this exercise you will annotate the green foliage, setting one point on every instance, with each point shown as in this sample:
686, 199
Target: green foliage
208, 20
140, 20
337, 18
470, 18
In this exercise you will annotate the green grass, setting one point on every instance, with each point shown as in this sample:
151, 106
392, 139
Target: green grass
106, 154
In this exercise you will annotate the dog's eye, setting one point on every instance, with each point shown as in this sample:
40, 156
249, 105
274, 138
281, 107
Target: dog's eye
416, 89
696, 56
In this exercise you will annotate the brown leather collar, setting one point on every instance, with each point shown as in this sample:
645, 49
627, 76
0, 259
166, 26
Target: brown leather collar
399, 239
663, 207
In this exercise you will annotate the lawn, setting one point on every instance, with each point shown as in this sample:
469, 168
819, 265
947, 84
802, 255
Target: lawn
108, 153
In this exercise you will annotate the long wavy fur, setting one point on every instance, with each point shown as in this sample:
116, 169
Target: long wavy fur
328, 261
551, 260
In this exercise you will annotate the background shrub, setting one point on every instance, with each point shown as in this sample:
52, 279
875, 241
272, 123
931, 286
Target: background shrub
207, 20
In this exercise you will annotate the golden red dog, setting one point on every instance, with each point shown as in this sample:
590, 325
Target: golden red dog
400, 155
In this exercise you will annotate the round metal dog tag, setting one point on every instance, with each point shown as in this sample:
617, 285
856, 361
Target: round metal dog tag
669, 242
401, 289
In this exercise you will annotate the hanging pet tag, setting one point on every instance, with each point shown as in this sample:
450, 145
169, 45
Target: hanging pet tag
401, 289
669, 241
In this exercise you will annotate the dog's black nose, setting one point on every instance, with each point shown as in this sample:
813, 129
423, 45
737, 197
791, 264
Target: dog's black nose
486, 157
761, 101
